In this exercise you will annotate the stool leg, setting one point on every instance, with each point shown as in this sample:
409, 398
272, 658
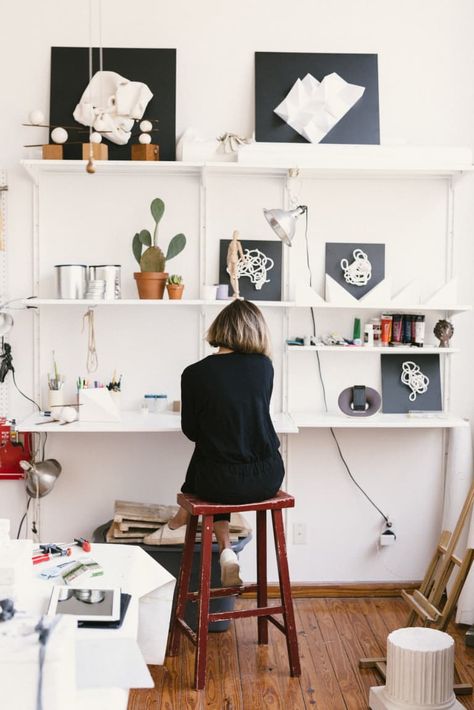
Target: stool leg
203, 601
262, 593
285, 591
183, 585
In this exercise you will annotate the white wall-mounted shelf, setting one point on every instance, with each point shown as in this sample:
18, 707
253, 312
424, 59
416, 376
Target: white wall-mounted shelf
402, 350
451, 308
270, 168
321, 420
133, 422
163, 303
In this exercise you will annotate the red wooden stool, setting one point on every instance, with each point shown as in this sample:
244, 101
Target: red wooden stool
197, 507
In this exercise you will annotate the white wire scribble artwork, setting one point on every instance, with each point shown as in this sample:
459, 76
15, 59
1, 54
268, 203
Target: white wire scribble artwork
256, 265
413, 378
359, 272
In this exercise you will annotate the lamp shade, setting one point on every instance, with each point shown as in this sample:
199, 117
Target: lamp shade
40, 477
283, 222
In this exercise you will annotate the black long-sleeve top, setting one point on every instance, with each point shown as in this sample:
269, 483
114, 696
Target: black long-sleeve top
225, 403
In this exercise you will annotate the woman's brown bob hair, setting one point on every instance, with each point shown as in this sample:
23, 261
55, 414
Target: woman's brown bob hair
240, 327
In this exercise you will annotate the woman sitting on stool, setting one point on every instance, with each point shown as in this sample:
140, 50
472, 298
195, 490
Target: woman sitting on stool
226, 412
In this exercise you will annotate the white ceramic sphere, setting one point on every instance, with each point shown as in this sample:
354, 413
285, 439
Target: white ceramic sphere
59, 135
36, 117
144, 138
146, 126
68, 414
96, 137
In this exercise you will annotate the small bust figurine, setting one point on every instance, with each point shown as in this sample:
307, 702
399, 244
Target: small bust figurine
444, 332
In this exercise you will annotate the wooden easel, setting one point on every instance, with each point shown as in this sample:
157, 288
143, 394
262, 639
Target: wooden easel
432, 602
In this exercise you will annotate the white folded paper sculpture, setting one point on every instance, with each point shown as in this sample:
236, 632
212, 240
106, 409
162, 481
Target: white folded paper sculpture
97, 405
111, 103
313, 108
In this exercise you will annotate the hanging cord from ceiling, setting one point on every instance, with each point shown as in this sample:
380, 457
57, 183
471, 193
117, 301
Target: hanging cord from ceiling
90, 167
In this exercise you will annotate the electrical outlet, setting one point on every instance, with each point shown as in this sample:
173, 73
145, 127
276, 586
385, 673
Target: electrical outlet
388, 535
299, 534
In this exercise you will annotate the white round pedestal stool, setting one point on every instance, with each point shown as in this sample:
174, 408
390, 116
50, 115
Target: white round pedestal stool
420, 672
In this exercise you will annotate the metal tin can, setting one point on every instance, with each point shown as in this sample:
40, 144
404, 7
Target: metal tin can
71, 280
110, 273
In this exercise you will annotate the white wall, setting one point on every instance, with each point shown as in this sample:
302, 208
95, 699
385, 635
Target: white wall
427, 97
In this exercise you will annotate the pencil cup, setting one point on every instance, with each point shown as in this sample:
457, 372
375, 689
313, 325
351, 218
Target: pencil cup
209, 292
55, 398
222, 292
115, 396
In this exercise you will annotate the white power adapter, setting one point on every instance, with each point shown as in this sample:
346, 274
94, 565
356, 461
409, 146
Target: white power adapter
387, 536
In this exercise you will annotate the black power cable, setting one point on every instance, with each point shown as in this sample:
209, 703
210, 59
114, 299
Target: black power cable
323, 387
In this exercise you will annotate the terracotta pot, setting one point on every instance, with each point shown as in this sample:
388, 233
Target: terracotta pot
175, 291
150, 284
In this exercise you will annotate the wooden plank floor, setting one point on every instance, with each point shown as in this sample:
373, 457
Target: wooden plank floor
333, 634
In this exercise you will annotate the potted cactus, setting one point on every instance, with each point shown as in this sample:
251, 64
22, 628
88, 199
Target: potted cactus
175, 287
151, 278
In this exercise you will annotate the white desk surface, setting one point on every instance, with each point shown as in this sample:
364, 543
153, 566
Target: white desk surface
127, 567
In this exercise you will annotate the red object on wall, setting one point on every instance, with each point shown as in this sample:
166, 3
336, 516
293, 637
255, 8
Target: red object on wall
14, 447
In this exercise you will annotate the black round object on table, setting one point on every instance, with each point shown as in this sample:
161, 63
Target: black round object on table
372, 397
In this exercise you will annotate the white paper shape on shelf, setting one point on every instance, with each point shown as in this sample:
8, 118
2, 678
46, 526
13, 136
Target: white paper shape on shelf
409, 295
97, 406
308, 296
337, 294
313, 108
447, 294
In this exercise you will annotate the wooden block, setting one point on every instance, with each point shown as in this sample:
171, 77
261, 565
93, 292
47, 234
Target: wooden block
127, 525
52, 151
151, 151
127, 510
115, 532
110, 537
100, 151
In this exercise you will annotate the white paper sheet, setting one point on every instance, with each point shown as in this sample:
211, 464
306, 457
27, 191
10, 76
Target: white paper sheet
111, 663
313, 108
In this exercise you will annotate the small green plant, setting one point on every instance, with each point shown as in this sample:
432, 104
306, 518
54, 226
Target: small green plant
175, 280
153, 258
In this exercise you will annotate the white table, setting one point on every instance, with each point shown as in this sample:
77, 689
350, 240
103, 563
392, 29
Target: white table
111, 661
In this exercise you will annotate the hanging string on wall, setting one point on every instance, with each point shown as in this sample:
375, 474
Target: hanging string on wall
92, 360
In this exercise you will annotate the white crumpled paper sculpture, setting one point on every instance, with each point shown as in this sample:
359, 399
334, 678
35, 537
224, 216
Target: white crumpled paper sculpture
313, 108
111, 103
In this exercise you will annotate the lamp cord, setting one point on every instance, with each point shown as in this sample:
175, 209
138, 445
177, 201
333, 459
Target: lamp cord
23, 519
44, 628
23, 394
323, 387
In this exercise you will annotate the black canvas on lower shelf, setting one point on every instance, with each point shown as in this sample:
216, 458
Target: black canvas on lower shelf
395, 394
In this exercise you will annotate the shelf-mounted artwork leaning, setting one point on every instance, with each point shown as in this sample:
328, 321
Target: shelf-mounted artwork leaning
134, 84
411, 383
259, 271
355, 272
316, 98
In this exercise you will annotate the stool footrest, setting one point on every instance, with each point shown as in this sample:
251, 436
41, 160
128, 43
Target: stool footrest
244, 613
224, 592
278, 624
192, 636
